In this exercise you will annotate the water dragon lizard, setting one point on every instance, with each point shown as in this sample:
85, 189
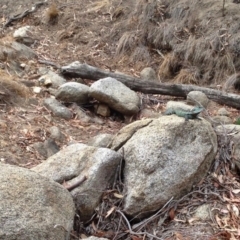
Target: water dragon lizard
187, 114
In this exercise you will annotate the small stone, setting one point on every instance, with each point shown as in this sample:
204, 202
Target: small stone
223, 112
103, 110
51, 79
57, 108
198, 98
39, 147
45, 81
101, 140
81, 114
56, 134
24, 35
37, 90
73, 92
116, 95
218, 120
149, 113
51, 147
175, 105
202, 212
148, 74
22, 32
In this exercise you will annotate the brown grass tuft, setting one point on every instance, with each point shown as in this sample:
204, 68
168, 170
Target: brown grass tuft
232, 82
169, 67
126, 43
186, 31
11, 88
51, 14
187, 76
140, 54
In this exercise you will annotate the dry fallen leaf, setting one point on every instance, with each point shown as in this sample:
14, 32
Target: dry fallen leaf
235, 210
172, 213
109, 212
178, 236
236, 191
218, 220
191, 220
136, 238
117, 195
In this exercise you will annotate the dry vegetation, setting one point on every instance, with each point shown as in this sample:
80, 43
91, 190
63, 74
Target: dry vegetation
192, 33
10, 88
186, 41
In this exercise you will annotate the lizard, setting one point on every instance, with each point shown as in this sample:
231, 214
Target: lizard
187, 114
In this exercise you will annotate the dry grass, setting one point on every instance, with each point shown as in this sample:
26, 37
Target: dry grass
127, 43
232, 82
6, 51
140, 54
11, 88
169, 67
187, 76
194, 31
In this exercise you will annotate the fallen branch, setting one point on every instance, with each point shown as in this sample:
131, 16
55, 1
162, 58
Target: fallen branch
24, 14
180, 90
70, 187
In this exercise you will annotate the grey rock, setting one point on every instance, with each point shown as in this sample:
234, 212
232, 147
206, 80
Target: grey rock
175, 105
127, 132
233, 132
15, 51
14, 67
39, 147
32, 206
164, 158
149, 113
73, 92
81, 114
101, 140
223, 112
21, 32
116, 95
24, 35
56, 134
84, 117
218, 120
51, 147
57, 108
23, 51
76, 161
198, 97
98, 120
149, 74
51, 79
52, 91
203, 212
43, 70
46, 148
103, 110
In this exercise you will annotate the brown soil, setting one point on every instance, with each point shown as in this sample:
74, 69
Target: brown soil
193, 43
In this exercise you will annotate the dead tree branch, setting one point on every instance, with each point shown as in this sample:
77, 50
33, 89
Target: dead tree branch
180, 90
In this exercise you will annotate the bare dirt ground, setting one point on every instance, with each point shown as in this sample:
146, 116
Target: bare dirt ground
91, 32
28, 122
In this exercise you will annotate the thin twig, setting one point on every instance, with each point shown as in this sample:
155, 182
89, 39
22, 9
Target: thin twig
136, 233
146, 221
76, 184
